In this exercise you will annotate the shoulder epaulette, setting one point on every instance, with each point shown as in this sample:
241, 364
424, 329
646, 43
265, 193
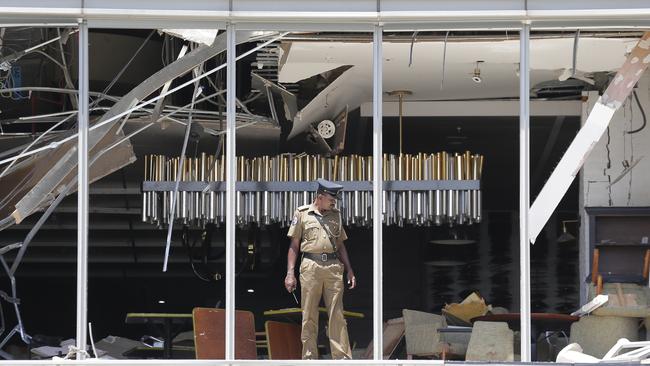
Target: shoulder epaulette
303, 208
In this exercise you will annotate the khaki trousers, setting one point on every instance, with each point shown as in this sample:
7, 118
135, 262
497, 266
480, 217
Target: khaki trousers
324, 280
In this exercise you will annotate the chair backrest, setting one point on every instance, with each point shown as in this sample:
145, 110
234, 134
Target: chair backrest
393, 334
210, 338
622, 259
623, 263
283, 340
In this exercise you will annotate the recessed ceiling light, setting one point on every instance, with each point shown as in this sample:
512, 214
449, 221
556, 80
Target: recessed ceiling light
250, 290
161, 301
476, 75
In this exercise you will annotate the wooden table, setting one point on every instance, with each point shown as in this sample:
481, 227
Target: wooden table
294, 314
166, 320
550, 321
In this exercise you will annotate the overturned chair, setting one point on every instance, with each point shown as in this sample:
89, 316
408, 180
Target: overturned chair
623, 351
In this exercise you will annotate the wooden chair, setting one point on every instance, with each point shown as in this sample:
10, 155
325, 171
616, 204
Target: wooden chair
621, 263
210, 338
283, 340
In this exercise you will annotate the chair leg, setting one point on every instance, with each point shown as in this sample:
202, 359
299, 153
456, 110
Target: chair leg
445, 349
599, 285
594, 266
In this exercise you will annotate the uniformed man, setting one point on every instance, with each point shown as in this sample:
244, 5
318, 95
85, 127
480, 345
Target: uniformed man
316, 231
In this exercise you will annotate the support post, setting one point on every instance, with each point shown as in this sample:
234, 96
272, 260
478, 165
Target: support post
524, 190
82, 194
230, 189
377, 187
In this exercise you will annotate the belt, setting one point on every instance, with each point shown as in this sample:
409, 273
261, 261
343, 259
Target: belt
321, 257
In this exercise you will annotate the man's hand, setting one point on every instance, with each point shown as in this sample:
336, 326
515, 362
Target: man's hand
352, 281
290, 282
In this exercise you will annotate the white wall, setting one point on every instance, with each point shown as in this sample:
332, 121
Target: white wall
634, 188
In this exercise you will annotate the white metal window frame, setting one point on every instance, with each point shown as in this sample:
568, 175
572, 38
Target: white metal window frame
542, 14
448, 14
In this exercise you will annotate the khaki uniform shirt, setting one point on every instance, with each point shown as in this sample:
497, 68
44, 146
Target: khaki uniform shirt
313, 237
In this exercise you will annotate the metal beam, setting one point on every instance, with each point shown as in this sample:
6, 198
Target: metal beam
181, 163
310, 186
231, 85
524, 190
160, 103
82, 194
377, 194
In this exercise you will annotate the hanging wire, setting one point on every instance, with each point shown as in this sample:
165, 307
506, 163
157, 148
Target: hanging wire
444, 61
638, 102
415, 34
629, 187
576, 38
608, 166
185, 240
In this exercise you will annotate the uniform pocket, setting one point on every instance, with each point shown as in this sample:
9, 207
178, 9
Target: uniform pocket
302, 266
306, 265
338, 270
311, 230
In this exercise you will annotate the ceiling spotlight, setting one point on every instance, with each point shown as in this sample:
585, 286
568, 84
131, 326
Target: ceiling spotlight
476, 75
455, 236
326, 128
566, 236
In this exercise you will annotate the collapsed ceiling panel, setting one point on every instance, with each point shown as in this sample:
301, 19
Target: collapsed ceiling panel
498, 66
39, 179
